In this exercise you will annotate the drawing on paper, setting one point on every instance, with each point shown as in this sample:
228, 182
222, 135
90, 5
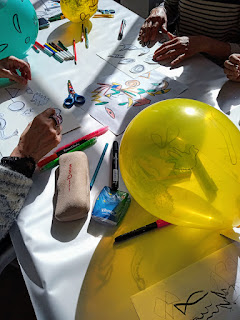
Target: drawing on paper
114, 100
3, 124
208, 289
135, 270
19, 106
132, 91
126, 54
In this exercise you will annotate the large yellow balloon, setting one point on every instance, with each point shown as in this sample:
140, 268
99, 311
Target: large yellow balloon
78, 10
180, 160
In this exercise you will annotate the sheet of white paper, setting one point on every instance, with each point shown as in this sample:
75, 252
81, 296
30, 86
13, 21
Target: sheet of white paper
233, 233
19, 105
208, 289
47, 9
133, 59
115, 100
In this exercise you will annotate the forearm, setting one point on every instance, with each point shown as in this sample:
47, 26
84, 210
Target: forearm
171, 9
215, 48
14, 190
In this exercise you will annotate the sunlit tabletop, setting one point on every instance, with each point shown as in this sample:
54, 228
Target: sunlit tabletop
72, 270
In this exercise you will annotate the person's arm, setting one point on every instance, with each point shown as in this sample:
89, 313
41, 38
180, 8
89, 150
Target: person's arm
14, 190
40, 136
158, 19
179, 48
10, 66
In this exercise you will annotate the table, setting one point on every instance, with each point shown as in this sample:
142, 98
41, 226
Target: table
72, 270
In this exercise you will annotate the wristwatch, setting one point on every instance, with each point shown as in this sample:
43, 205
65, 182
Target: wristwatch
25, 166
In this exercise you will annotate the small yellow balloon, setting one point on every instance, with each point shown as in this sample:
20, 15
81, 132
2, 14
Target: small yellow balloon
180, 160
78, 10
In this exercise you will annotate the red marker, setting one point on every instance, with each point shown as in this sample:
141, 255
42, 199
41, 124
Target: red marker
157, 224
71, 146
75, 51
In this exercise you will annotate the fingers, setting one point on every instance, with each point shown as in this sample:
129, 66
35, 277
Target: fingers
232, 68
11, 64
48, 112
23, 67
4, 73
235, 58
179, 59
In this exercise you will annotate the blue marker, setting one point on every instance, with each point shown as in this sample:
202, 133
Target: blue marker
55, 55
98, 166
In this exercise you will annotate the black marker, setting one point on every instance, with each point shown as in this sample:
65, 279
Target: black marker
157, 224
115, 171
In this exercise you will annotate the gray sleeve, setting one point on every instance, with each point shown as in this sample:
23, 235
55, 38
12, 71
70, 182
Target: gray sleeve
14, 188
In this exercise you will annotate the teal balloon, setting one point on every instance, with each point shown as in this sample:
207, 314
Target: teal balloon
19, 27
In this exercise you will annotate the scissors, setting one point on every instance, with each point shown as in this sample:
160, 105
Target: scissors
73, 97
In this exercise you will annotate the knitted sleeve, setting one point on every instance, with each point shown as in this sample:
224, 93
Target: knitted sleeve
14, 188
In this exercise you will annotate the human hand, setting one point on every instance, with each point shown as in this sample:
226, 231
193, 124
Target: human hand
157, 20
232, 67
39, 137
178, 49
9, 67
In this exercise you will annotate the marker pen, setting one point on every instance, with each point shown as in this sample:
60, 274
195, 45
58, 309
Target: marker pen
71, 145
81, 147
115, 170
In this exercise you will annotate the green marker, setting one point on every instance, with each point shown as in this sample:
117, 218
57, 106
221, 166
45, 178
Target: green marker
81, 147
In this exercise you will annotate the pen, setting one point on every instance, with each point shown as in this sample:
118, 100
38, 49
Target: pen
35, 48
59, 49
45, 50
103, 16
56, 155
81, 147
123, 24
86, 38
157, 224
115, 171
75, 51
65, 48
52, 19
82, 38
71, 145
56, 51
55, 55
98, 166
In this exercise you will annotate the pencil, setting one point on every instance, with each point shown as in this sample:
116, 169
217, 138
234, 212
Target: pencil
98, 166
75, 51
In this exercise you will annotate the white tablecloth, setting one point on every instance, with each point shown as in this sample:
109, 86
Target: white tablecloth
54, 256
